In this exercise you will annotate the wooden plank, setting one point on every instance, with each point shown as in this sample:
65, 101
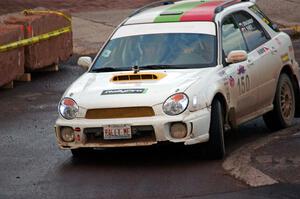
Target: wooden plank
9, 85
53, 68
24, 78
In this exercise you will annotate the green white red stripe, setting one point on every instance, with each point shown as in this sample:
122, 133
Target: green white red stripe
189, 11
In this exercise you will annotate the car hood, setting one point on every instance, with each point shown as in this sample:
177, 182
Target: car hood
98, 90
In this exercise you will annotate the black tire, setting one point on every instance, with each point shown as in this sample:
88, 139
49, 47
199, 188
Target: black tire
80, 153
216, 144
284, 105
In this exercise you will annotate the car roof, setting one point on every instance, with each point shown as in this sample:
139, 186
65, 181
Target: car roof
180, 11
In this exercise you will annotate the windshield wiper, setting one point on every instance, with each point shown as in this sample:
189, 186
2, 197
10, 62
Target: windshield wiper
151, 67
108, 69
157, 67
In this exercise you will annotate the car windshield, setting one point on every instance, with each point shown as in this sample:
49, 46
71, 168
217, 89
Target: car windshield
157, 51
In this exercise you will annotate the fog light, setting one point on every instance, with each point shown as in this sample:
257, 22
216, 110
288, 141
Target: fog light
178, 130
67, 134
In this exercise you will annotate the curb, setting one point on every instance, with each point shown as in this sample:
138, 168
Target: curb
238, 164
296, 28
293, 31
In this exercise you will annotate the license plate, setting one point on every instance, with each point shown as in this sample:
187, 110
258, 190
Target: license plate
117, 132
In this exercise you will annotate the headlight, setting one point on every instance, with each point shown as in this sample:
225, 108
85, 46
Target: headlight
176, 104
68, 108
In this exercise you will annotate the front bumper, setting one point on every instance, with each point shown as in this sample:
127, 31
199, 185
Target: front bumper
197, 125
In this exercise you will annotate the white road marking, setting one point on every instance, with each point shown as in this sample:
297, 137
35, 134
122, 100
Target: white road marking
238, 164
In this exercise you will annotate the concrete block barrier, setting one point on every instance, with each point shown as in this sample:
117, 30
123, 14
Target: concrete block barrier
48, 52
11, 62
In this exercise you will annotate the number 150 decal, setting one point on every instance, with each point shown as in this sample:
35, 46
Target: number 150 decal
244, 84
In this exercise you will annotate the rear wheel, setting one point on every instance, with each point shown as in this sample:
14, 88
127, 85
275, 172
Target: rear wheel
216, 144
284, 105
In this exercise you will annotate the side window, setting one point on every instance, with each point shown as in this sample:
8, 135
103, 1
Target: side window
253, 32
232, 38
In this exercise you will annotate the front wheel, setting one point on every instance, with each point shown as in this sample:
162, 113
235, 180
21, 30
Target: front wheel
216, 144
284, 105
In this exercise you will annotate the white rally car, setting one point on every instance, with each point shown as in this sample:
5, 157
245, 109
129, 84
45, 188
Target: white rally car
182, 72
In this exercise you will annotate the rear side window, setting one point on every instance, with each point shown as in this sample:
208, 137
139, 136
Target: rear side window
232, 38
264, 17
253, 32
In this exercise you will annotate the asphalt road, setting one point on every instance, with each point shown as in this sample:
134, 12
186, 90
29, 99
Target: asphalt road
32, 166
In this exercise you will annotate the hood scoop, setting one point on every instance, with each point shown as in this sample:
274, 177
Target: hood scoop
138, 77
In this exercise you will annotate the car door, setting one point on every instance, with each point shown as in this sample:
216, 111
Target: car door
262, 58
241, 76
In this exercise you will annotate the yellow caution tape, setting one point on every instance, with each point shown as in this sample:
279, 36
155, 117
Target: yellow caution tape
39, 38
295, 28
29, 11
34, 40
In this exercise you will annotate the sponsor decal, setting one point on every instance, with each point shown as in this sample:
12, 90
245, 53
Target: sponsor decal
263, 50
231, 82
261, 15
285, 58
247, 25
124, 91
266, 21
224, 79
241, 70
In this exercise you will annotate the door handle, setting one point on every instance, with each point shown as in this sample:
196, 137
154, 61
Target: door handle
273, 50
250, 62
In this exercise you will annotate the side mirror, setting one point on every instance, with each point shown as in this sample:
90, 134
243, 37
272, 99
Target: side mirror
237, 56
85, 62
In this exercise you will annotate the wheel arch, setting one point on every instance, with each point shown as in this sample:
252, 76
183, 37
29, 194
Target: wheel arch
219, 96
287, 69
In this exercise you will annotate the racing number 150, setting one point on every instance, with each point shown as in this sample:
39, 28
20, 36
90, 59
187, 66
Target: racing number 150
244, 84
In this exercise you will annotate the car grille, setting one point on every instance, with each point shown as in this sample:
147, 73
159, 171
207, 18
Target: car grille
139, 134
113, 113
